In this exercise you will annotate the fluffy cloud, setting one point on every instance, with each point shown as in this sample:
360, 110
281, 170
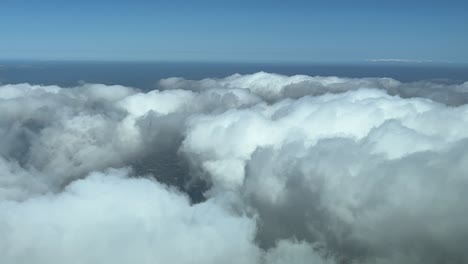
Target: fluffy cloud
274, 87
110, 218
259, 168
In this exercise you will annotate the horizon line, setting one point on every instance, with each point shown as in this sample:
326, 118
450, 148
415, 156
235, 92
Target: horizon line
375, 61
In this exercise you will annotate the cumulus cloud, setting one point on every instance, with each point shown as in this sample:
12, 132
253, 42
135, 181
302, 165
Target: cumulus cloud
275, 87
260, 168
110, 218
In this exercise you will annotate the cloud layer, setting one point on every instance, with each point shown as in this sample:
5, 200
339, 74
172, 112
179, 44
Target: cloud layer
259, 168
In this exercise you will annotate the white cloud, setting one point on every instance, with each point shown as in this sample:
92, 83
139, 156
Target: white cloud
400, 60
293, 170
109, 218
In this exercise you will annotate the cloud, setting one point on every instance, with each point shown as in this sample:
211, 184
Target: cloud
110, 218
400, 60
260, 168
275, 87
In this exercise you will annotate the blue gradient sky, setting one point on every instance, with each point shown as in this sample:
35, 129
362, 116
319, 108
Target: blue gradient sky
248, 31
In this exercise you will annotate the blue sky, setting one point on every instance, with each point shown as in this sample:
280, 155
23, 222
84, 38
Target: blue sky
248, 31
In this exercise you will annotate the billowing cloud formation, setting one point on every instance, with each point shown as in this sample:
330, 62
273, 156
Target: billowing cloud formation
259, 168
275, 87
110, 218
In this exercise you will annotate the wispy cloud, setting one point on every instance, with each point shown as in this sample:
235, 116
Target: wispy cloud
406, 61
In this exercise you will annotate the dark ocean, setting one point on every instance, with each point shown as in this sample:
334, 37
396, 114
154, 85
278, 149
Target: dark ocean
145, 75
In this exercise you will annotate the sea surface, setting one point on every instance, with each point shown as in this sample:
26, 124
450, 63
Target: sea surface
145, 75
